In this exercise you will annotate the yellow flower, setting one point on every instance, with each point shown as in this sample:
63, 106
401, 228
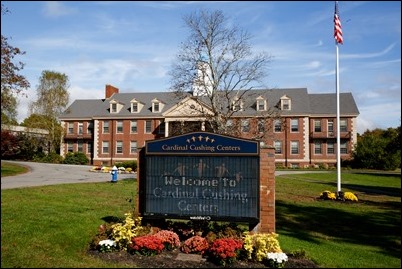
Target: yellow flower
350, 196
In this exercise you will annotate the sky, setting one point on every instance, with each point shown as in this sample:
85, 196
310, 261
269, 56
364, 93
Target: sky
132, 45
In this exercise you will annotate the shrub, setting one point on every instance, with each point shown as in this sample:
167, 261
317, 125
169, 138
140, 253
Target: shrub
76, 158
195, 245
123, 232
49, 158
327, 195
257, 246
224, 250
147, 245
349, 196
107, 245
127, 164
169, 239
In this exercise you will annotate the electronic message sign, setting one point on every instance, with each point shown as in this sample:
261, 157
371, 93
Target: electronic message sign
201, 176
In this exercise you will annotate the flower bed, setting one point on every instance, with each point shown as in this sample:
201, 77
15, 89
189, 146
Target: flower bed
221, 245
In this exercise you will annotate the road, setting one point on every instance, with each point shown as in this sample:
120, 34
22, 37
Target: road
41, 174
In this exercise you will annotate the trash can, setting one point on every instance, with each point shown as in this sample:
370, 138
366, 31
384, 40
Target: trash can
114, 174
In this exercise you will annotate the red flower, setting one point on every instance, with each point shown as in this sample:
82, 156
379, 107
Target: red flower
225, 250
147, 245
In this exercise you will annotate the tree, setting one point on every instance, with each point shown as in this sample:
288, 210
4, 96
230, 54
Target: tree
52, 99
12, 83
377, 149
217, 65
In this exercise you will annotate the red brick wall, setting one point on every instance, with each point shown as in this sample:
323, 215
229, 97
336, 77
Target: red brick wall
267, 191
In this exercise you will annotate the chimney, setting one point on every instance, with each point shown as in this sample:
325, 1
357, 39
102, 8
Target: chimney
110, 90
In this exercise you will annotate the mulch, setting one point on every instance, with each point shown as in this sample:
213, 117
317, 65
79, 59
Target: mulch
178, 259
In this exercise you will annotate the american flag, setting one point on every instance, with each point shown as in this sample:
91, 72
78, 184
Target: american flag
338, 26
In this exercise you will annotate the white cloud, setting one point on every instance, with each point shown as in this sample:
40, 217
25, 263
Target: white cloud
55, 9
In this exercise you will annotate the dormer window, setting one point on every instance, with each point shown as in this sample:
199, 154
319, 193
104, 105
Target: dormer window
261, 104
115, 106
286, 103
156, 105
237, 104
136, 105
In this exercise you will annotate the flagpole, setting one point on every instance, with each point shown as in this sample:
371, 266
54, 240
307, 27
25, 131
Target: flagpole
338, 40
338, 127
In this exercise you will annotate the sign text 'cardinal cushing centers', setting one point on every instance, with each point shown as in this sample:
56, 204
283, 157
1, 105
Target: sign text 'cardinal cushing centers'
202, 176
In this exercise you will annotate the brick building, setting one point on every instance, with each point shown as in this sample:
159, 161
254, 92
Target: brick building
111, 130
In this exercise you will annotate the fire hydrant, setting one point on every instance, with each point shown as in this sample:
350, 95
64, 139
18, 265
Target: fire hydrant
114, 174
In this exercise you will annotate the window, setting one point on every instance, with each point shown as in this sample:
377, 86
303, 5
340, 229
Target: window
70, 147
317, 126
344, 147
106, 127
89, 147
294, 147
285, 104
133, 147
134, 107
133, 126
90, 127
161, 127
148, 126
261, 104
80, 128
343, 125
278, 147
294, 125
113, 108
155, 106
71, 127
277, 126
261, 126
245, 126
105, 147
237, 104
119, 127
330, 147
317, 147
330, 126
80, 146
119, 147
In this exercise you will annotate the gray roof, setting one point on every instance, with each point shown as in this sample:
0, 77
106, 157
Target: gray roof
302, 103
325, 103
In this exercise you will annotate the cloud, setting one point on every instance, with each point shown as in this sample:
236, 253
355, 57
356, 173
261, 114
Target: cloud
369, 55
55, 9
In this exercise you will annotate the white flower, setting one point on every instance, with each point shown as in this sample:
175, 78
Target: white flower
107, 243
278, 257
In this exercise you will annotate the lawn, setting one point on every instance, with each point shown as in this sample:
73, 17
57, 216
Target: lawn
51, 226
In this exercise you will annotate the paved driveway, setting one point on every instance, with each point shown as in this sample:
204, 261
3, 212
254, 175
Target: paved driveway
51, 174
41, 174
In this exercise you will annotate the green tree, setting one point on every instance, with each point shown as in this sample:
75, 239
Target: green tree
52, 99
12, 83
7, 120
217, 65
377, 149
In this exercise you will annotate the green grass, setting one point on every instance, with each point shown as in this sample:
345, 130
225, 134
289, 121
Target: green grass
52, 226
9, 169
337, 234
